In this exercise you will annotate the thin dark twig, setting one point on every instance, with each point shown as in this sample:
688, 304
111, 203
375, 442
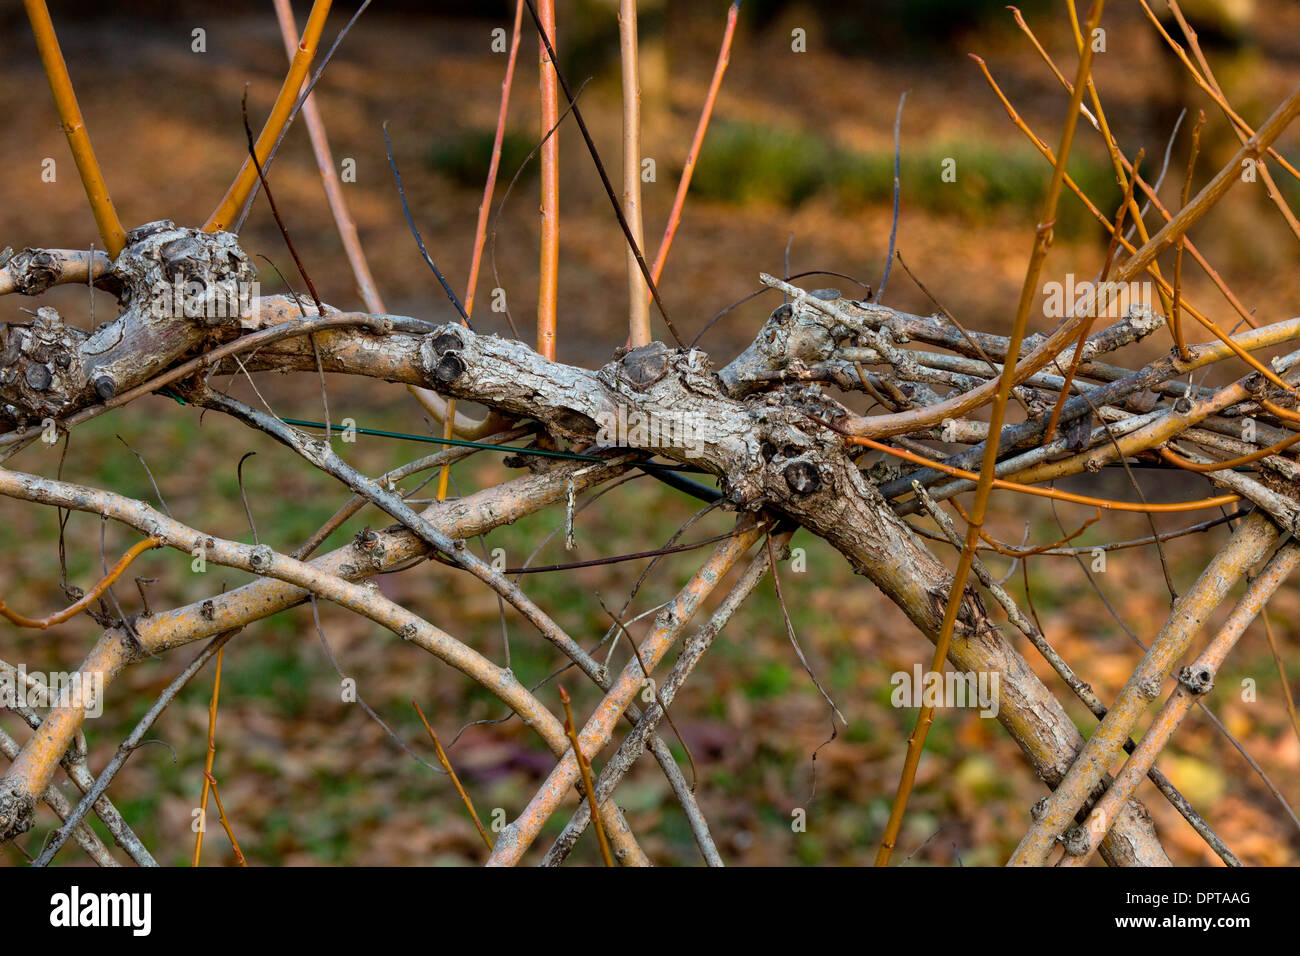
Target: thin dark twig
284, 231
419, 242
597, 562
893, 228
921, 846
144, 597
239, 476
315, 614
63, 515
145, 465
126, 623
794, 640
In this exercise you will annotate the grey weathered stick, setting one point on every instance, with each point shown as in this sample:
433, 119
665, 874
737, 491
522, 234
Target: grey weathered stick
1081, 689
54, 798
634, 743
129, 745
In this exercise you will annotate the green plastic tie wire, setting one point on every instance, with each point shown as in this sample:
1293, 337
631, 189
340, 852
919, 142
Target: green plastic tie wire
429, 439
488, 446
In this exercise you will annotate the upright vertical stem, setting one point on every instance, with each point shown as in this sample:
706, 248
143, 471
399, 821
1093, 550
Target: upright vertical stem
212, 754
548, 280
480, 227
638, 304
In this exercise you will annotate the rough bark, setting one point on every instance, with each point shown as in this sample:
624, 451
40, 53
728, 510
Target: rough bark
769, 447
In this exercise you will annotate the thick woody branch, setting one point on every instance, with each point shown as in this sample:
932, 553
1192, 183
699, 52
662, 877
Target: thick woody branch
15, 805
362, 558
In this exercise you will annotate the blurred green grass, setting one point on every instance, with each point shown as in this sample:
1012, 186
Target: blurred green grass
747, 163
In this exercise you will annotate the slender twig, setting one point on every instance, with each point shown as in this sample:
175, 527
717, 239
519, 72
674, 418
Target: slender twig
276, 121
693, 154
225, 820
415, 232
208, 780
584, 767
1281, 672
893, 224
58, 617
957, 592
1174, 318
446, 765
370, 711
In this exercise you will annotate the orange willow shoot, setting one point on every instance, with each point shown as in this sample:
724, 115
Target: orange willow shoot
58, 617
1023, 552
240, 189
1269, 184
480, 228
225, 820
446, 764
997, 413
74, 127
679, 201
1210, 90
1112, 149
1150, 193
484, 207
208, 780
1106, 503
1175, 323
1279, 411
584, 766
1149, 266
549, 270
1168, 454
